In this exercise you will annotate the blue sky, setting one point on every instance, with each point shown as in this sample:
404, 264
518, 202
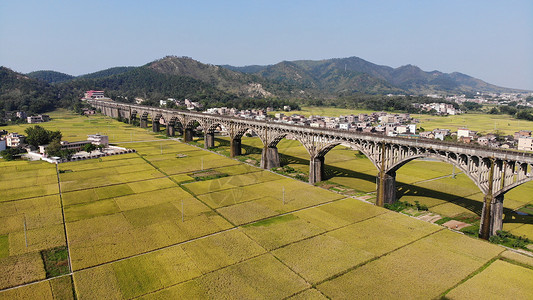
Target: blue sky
490, 40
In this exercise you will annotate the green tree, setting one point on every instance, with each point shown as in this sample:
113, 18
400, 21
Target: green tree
10, 153
38, 135
494, 111
54, 148
89, 147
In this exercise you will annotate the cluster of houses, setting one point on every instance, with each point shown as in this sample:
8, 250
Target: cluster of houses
191, 105
521, 140
442, 109
256, 114
30, 119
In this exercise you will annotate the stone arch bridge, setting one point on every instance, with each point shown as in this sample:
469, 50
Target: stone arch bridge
494, 171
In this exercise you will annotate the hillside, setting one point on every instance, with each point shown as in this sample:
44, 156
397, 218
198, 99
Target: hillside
356, 75
20, 92
106, 73
148, 84
50, 76
223, 79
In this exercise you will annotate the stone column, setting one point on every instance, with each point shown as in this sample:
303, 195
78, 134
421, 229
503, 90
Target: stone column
144, 122
209, 140
487, 213
114, 113
155, 125
170, 130
270, 158
235, 147
316, 169
187, 135
494, 216
386, 188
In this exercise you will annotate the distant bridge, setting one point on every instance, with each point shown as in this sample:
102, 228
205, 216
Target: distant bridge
494, 171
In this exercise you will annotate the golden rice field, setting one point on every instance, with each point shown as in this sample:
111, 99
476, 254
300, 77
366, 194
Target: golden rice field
429, 182
139, 226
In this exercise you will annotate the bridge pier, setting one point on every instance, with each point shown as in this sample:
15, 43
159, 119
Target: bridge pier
316, 169
155, 126
491, 218
235, 147
270, 158
386, 188
209, 140
115, 113
144, 122
187, 135
171, 131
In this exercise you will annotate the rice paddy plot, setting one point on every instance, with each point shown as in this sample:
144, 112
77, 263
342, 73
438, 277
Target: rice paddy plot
421, 270
56, 288
520, 229
29, 192
418, 170
506, 281
257, 278
260, 277
102, 163
209, 186
279, 231
326, 255
20, 269
93, 180
137, 230
194, 163
157, 270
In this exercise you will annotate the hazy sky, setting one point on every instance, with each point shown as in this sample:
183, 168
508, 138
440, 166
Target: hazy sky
490, 40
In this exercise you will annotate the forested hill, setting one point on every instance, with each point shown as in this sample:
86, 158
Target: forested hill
356, 75
50, 76
20, 92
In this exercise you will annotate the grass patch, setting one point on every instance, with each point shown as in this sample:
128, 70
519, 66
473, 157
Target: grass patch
404, 205
443, 220
271, 221
510, 240
207, 175
55, 261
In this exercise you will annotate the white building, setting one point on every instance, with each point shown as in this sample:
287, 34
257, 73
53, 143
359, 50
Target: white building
14, 139
97, 139
344, 126
525, 143
463, 132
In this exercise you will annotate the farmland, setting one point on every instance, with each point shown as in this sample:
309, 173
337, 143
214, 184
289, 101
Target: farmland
140, 226
434, 184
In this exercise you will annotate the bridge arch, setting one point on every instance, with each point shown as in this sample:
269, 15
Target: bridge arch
463, 167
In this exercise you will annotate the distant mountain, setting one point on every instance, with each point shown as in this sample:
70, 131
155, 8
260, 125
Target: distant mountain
237, 83
106, 73
356, 75
50, 76
145, 83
